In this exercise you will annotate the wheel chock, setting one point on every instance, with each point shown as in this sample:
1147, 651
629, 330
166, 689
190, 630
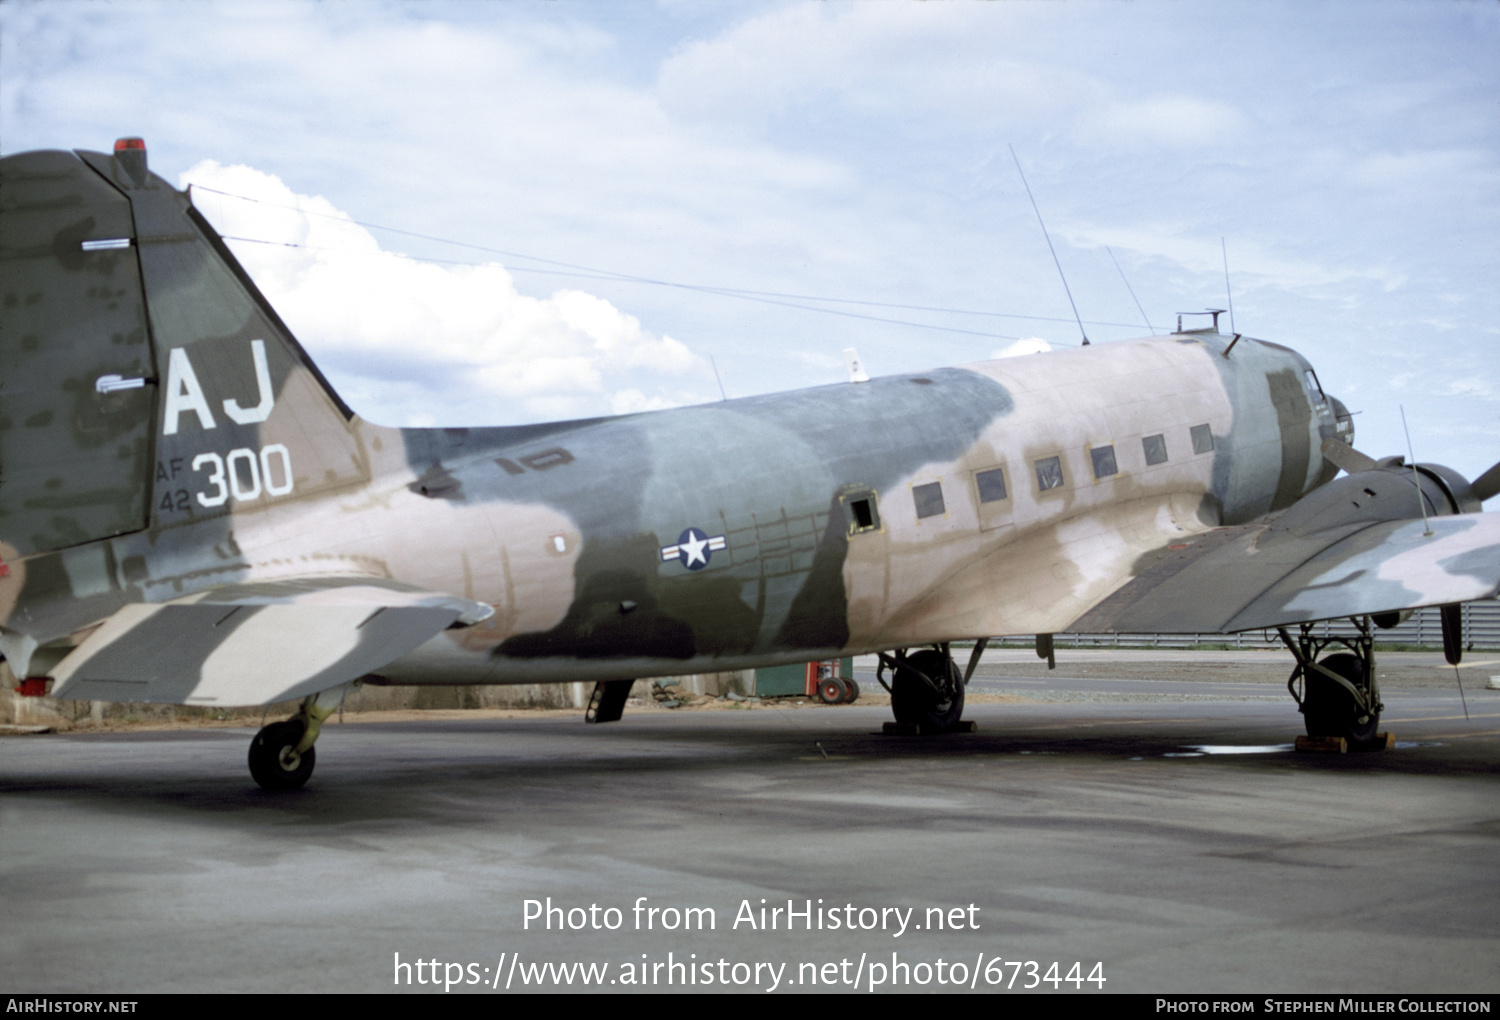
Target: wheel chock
1379, 742
1333, 745
896, 729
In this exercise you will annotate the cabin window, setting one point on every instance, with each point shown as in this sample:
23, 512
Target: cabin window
1203, 439
1313, 386
929, 499
1156, 449
1049, 473
1104, 461
991, 485
861, 513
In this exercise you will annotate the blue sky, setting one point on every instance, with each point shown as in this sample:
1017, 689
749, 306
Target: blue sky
1346, 153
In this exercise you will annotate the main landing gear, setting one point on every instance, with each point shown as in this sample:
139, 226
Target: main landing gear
927, 687
282, 754
1338, 695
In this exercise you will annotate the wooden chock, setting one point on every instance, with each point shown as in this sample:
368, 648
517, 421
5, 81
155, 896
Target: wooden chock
1327, 745
895, 729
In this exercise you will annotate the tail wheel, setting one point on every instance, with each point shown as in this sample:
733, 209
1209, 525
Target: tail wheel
831, 691
275, 763
914, 701
1329, 710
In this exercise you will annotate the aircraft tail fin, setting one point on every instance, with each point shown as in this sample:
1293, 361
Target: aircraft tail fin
144, 379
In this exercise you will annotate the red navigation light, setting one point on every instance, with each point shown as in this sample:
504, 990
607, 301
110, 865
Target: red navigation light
121, 144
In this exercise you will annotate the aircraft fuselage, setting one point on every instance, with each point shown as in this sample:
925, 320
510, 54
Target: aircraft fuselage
784, 527
185, 443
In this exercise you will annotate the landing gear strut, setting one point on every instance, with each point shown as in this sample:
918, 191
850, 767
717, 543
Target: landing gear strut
282, 754
1338, 696
927, 688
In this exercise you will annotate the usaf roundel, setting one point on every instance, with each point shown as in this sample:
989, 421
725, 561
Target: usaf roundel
693, 549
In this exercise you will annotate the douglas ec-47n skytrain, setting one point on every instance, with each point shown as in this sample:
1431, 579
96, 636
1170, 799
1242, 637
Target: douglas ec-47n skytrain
189, 514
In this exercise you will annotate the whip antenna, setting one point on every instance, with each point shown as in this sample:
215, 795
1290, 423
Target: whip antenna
1053, 250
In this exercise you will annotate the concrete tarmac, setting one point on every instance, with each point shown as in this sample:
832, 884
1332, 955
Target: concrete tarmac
1161, 841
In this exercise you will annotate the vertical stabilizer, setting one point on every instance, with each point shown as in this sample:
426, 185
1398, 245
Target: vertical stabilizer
243, 418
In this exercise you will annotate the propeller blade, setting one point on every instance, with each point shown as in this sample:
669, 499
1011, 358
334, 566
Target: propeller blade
1487, 484
1347, 457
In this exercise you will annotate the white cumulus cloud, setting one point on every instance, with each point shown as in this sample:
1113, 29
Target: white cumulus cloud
408, 342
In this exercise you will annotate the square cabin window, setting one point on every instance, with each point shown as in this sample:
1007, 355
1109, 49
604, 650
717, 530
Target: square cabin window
991, 485
1104, 461
1049, 473
1203, 439
929, 499
1156, 449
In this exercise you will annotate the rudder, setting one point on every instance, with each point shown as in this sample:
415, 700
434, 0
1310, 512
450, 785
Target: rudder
77, 387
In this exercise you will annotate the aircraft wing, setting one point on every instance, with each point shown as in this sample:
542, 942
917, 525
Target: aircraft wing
1250, 577
257, 643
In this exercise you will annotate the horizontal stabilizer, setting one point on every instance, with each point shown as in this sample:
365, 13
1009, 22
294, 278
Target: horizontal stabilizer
257, 643
1248, 578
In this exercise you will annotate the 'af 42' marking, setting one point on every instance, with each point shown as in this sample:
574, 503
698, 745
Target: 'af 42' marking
242, 473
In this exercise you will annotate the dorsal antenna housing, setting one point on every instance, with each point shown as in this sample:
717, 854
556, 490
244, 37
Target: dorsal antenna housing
1215, 312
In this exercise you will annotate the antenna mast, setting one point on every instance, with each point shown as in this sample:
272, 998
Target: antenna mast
1129, 288
1227, 294
1053, 250
1416, 478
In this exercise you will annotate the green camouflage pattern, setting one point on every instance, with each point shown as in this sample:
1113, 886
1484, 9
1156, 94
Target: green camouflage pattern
189, 513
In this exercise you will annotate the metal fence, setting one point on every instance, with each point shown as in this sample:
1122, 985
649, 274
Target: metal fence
1481, 629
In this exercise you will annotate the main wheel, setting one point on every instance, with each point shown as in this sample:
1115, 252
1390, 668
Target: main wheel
1329, 710
853, 686
831, 691
274, 761
913, 701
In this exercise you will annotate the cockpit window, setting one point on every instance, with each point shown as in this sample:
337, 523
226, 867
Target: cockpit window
1312, 384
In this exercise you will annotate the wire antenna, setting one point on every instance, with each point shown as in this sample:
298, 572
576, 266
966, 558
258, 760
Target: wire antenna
1129, 288
1066, 289
1227, 294
569, 269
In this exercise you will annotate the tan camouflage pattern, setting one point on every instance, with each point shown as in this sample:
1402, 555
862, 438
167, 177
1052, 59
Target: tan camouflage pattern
189, 513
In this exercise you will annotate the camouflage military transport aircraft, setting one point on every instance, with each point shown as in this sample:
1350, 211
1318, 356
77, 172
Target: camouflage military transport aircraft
189, 514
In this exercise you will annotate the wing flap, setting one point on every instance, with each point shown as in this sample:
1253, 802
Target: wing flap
256, 644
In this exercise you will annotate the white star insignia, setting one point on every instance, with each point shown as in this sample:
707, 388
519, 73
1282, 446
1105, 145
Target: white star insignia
694, 547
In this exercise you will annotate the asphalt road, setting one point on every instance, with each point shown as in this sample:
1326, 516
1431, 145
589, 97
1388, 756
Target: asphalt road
1163, 831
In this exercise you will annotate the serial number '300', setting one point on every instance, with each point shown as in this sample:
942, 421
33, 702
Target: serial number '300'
243, 473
